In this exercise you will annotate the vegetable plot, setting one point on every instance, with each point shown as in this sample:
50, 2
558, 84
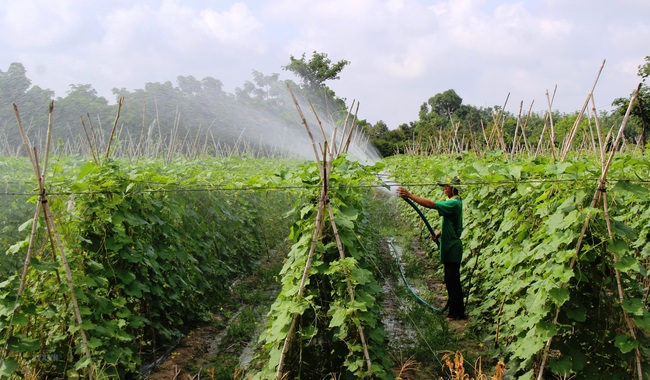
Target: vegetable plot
556, 276
150, 247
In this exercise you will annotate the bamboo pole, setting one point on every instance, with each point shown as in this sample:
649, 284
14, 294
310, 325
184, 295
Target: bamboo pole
523, 128
354, 120
339, 245
51, 226
574, 129
551, 123
514, 139
304, 122
644, 122
117, 117
343, 133
487, 142
499, 127
90, 142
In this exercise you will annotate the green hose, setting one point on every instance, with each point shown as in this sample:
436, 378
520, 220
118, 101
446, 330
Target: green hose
401, 271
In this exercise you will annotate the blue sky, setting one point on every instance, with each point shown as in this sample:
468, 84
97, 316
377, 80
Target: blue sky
402, 52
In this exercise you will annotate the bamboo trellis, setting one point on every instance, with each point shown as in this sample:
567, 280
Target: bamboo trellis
42, 207
325, 156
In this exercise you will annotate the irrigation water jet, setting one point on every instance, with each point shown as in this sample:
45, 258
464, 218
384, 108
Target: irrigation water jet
277, 129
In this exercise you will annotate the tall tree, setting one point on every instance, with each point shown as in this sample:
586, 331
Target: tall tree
13, 84
313, 75
317, 70
445, 103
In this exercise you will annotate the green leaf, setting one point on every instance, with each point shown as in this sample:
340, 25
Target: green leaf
343, 222
546, 330
618, 246
623, 230
559, 295
7, 367
20, 319
515, 171
625, 344
555, 222
338, 316
19, 344
6, 282
633, 306
126, 276
643, 322
28, 223
577, 314
18, 246
82, 363
7, 310
561, 366
562, 167
350, 212
627, 263
630, 187
46, 266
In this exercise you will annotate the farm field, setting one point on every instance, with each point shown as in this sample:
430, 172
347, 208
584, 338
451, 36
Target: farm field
204, 258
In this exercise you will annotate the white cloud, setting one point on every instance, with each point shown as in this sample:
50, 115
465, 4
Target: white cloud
401, 51
33, 24
235, 27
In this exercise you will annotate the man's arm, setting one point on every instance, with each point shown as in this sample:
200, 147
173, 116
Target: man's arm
402, 192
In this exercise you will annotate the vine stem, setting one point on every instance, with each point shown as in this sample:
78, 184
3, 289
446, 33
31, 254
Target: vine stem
597, 196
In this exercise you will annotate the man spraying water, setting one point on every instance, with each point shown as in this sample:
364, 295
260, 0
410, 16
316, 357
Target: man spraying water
448, 239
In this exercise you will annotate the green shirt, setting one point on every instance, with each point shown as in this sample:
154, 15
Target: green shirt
451, 247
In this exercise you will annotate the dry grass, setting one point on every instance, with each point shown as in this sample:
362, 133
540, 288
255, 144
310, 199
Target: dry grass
455, 364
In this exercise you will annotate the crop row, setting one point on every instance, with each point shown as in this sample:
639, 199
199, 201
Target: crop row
549, 273
150, 248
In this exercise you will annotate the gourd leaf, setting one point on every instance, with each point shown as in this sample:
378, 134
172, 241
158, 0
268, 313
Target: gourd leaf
559, 295
7, 367
633, 306
623, 230
627, 186
19, 344
627, 263
625, 344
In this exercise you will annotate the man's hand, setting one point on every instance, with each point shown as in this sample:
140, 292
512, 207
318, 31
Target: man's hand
402, 192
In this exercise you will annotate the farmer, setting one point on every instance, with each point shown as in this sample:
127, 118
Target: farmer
448, 239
